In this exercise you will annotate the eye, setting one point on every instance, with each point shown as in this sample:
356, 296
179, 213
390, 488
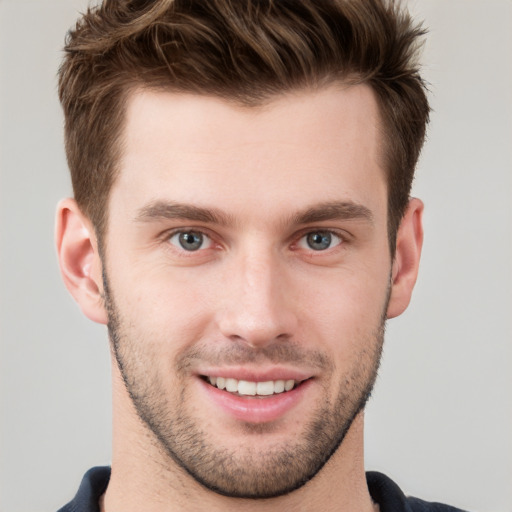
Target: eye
319, 240
190, 240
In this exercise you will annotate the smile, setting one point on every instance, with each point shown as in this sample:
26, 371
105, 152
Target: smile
260, 397
251, 388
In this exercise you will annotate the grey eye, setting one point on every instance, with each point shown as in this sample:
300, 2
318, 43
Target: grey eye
190, 240
319, 240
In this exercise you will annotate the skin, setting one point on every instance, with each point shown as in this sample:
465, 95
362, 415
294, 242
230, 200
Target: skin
255, 299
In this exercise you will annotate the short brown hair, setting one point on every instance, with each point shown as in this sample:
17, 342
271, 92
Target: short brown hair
243, 50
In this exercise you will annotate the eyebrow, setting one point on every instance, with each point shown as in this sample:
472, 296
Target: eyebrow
334, 210
164, 210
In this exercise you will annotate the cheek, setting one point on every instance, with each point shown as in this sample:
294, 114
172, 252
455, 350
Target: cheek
345, 312
346, 293
169, 310
150, 286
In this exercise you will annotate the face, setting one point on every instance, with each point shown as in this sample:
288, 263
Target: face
247, 275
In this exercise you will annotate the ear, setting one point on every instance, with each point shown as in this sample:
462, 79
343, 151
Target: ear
79, 260
407, 258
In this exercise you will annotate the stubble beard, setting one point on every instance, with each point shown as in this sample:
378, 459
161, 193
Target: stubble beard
243, 472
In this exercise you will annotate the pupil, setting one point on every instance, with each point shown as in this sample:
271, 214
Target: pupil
319, 241
191, 241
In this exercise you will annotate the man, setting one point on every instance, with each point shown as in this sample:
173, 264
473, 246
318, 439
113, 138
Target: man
242, 223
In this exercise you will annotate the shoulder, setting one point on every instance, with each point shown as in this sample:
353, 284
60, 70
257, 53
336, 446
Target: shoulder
418, 505
93, 485
390, 497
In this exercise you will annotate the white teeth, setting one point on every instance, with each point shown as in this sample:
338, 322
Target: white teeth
289, 385
249, 388
231, 385
278, 386
265, 388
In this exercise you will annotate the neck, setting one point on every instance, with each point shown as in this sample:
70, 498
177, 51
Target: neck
145, 479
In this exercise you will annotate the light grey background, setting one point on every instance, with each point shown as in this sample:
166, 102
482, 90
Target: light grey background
440, 421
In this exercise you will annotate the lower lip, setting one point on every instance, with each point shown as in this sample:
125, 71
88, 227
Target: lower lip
254, 409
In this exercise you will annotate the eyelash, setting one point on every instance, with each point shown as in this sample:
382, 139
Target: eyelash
341, 236
190, 232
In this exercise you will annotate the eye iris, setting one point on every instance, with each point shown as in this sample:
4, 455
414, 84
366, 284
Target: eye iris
191, 241
319, 241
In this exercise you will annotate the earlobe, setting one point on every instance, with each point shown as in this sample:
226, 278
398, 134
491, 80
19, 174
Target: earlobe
407, 258
79, 260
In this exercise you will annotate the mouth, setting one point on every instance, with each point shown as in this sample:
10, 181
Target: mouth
249, 388
260, 397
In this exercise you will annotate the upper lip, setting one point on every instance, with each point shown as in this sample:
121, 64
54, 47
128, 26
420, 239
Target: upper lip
256, 374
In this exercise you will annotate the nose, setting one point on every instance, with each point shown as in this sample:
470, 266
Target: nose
257, 301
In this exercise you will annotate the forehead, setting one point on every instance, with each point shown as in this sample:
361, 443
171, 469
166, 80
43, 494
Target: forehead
341, 111
295, 148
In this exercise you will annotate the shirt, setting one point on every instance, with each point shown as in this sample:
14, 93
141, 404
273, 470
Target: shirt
382, 489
